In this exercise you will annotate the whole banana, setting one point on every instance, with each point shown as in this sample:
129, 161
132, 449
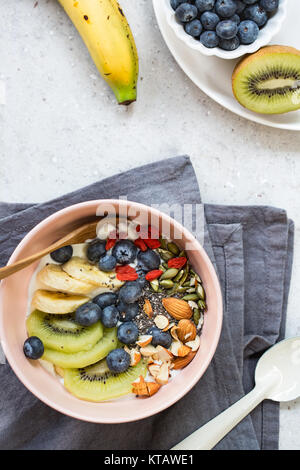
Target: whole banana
108, 37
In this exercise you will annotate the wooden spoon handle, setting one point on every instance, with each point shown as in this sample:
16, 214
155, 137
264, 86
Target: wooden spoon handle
78, 235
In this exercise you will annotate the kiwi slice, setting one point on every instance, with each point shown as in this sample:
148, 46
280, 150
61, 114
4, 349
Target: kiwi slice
100, 350
268, 81
60, 332
97, 383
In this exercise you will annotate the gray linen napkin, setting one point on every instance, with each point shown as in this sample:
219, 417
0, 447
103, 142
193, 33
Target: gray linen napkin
252, 250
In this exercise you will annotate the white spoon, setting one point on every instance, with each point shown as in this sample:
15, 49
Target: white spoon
277, 377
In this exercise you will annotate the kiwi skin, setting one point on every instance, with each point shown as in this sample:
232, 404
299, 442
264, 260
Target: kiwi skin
245, 61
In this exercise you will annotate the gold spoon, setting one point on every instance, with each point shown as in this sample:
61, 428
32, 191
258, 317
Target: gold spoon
79, 235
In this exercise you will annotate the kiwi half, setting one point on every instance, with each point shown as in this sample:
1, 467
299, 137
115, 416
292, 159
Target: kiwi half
60, 332
100, 350
268, 81
97, 383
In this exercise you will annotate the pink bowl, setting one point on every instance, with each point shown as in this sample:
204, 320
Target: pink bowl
13, 307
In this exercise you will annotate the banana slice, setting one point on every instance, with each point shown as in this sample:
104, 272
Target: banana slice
78, 268
52, 276
57, 302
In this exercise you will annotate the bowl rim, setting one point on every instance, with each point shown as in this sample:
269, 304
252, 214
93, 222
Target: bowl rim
274, 26
202, 367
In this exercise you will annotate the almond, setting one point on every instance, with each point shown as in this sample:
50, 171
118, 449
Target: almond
144, 340
152, 388
186, 330
140, 388
163, 375
183, 351
147, 307
194, 345
145, 389
135, 355
181, 362
177, 308
174, 332
161, 321
163, 354
148, 350
154, 369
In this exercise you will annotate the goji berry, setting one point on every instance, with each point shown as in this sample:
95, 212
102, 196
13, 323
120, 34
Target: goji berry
152, 244
140, 244
151, 275
127, 276
177, 263
125, 269
110, 243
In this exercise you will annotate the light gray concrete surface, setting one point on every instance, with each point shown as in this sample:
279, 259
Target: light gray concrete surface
61, 129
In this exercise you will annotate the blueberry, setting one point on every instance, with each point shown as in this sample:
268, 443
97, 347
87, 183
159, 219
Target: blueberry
226, 8
63, 254
142, 276
88, 314
130, 292
105, 299
226, 29
176, 3
124, 251
209, 39
236, 19
33, 347
269, 5
149, 259
256, 13
204, 5
107, 263
159, 337
186, 12
209, 20
95, 250
240, 6
128, 332
229, 44
128, 311
193, 28
248, 32
118, 360
110, 316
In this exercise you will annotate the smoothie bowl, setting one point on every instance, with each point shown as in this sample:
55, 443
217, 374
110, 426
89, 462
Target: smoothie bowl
119, 327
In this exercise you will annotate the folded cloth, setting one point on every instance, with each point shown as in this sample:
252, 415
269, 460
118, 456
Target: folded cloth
252, 250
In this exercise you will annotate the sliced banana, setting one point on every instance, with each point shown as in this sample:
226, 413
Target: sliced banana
54, 277
78, 268
57, 302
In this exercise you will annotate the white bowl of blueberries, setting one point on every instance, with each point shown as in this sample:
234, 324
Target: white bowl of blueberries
226, 28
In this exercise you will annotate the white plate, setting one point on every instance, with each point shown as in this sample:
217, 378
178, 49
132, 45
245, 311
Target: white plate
213, 75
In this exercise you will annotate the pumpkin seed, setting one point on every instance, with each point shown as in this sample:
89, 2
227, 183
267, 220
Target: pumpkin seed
181, 289
154, 285
165, 254
162, 268
196, 316
191, 290
163, 243
190, 297
182, 253
173, 248
201, 304
186, 284
165, 265
167, 283
200, 291
169, 274
179, 275
182, 280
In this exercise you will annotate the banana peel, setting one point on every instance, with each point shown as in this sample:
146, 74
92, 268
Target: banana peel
106, 33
